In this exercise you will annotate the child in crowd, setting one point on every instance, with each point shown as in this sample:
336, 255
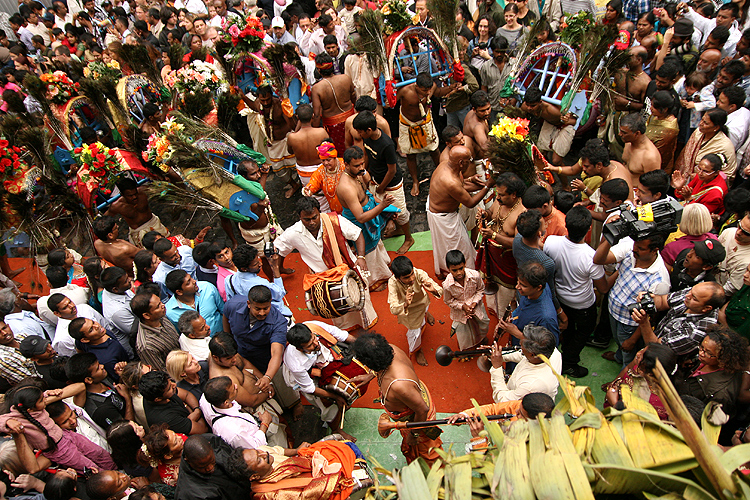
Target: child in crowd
29, 417
408, 299
463, 290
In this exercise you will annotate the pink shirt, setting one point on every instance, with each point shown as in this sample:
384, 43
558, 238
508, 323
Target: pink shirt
223, 273
34, 435
672, 250
456, 295
8, 86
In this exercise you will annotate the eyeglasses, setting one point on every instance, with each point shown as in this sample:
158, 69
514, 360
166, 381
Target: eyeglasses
744, 231
705, 352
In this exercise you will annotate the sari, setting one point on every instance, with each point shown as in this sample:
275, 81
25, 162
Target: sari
663, 133
696, 148
738, 311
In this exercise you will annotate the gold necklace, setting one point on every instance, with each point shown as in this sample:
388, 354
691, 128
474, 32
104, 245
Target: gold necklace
500, 221
336, 177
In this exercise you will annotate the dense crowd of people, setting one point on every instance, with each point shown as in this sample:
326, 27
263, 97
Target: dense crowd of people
167, 367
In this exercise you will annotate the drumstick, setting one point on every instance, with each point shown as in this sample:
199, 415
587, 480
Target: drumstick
341, 425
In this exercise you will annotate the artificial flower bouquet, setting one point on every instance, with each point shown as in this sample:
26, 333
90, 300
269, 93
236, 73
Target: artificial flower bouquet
60, 88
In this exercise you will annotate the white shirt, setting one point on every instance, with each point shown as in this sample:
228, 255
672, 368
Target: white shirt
735, 263
313, 42
116, 307
197, 347
194, 6
526, 378
63, 343
75, 293
706, 26
576, 271
238, 429
297, 364
310, 247
26, 323
60, 22
738, 123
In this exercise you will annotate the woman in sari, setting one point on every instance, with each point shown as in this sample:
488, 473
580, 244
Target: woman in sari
162, 450
711, 136
736, 313
638, 376
662, 128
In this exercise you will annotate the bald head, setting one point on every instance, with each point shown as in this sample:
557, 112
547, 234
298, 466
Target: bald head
638, 56
705, 297
459, 156
708, 60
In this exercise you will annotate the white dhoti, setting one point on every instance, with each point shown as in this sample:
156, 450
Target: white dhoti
557, 140
282, 162
417, 137
414, 335
153, 224
256, 238
276, 433
471, 333
378, 263
448, 233
305, 172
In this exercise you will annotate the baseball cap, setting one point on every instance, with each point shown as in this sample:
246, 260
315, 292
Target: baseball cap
48, 17
710, 251
277, 22
683, 27
33, 345
266, 23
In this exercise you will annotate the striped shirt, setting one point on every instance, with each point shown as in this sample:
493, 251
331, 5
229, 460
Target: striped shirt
153, 344
14, 366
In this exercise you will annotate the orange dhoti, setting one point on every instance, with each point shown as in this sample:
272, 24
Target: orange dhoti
336, 128
428, 439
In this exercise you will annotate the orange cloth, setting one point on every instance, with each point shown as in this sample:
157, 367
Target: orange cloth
293, 479
320, 180
333, 274
497, 409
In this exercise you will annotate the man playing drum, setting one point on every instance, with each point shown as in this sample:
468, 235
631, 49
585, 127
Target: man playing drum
310, 236
312, 363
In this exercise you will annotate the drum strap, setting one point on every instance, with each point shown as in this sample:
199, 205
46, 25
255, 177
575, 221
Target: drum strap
332, 239
327, 337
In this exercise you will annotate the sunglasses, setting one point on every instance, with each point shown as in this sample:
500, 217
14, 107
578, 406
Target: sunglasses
744, 231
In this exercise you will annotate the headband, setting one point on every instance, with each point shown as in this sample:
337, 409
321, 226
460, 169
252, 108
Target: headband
327, 150
327, 65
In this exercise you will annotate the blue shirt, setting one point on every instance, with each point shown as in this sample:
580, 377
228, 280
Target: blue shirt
241, 282
541, 312
524, 253
187, 264
254, 340
207, 302
109, 353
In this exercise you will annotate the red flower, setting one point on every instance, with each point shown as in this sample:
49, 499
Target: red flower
77, 151
16, 164
5, 162
101, 158
3, 143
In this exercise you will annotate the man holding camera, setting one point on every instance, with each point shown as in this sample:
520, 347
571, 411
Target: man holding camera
691, 312
641, 269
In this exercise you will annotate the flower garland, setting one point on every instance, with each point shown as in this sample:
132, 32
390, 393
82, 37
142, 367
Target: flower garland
241, 36
97, 70
60, 88
509, 149
13, 168
99, 166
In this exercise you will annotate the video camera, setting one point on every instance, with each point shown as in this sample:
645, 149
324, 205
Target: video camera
658, 217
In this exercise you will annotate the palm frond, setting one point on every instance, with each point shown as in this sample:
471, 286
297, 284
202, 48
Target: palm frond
443, 13
371, 43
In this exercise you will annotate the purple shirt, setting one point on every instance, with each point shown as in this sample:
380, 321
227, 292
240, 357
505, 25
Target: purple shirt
672, 250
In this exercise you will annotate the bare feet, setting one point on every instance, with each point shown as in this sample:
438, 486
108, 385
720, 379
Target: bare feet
347, 436
408, 242
421, 360
287, 270
298, 411
415, 189
429, 318
290, 190
389, 230
15, 273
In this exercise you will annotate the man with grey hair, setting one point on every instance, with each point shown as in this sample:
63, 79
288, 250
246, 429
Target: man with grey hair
23, 323
531, 374
195, 335
640, 155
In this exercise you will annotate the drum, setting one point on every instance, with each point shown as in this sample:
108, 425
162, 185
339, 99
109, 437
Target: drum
340, 385
333, 299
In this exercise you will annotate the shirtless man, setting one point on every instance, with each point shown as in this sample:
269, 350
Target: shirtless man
360, 208
452, 136
630, 96
333, 101
416, 127
476, 123
640, 155
110, 247
448, 190
304, 142
364, 103
402, 394
498, 227
558, 130
132, 206
277, 125
226, 361
257, 233
151, 119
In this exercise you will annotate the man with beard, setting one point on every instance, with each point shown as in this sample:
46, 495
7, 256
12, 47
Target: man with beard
677, 41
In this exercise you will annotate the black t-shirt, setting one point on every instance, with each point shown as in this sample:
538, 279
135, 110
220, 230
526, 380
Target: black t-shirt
105, 408
52, 383
174, 414
196, 389
381, 153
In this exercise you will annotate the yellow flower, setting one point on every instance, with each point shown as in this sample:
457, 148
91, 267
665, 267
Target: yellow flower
415, 19
386, 9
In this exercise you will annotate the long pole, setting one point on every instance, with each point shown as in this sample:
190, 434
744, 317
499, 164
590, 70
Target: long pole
431, 423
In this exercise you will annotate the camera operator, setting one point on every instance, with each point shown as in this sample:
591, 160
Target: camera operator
641, 269
652, 186
691, 312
